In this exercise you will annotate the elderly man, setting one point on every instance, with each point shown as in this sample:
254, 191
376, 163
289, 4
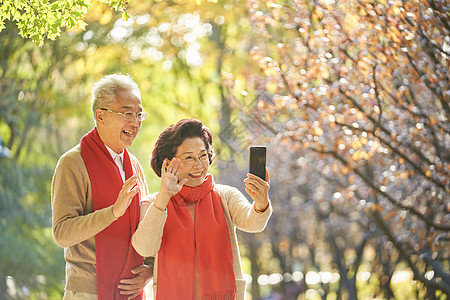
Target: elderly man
96, 192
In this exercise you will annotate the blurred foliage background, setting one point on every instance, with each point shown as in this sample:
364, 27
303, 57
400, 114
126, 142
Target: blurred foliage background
350, 97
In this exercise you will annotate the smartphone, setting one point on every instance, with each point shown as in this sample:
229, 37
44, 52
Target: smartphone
257, 165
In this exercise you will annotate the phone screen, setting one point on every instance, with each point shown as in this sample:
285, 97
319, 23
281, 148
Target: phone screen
257, 165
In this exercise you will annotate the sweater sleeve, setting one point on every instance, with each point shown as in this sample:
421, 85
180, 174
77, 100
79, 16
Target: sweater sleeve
243, 214
72, 218
147, 238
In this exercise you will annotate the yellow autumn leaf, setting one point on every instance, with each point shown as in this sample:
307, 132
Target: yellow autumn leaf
356, 144
272, 86
293, 106
360, 155
382, 57
377, 207
345, 170
351, 179
324, 73
106, 17
261, 104
404, 175
318, 131
389, 215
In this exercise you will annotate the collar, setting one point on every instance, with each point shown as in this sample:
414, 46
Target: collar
114, 154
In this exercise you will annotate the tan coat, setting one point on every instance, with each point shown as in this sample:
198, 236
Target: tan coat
74, 222
239, 213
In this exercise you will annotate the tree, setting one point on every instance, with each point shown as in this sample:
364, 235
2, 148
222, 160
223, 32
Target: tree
43, 19
348, 96
45, 108
30, 77
358, 94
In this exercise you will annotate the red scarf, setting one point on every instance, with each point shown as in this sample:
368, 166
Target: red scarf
115, 256
209, 235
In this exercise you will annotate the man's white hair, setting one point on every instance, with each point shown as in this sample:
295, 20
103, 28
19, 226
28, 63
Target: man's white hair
104, 91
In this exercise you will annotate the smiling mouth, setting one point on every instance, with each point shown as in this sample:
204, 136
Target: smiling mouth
127, 132
196, 175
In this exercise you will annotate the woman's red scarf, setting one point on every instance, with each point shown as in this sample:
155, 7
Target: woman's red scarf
209, 235
115, 256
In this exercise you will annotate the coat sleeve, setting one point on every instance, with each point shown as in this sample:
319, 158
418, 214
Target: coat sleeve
243, 214
71, 223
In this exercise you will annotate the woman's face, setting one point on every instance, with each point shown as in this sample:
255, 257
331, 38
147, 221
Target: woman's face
194, 161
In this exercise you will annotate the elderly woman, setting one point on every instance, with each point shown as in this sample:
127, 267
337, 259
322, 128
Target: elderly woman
190, 224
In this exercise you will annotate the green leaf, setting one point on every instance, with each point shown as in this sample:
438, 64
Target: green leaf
5, 11
14, 13
77, 14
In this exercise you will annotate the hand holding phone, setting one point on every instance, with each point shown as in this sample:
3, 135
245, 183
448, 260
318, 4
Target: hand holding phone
256, 187
257, 161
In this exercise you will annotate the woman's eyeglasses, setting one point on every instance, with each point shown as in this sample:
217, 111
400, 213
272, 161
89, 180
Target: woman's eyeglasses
190, 159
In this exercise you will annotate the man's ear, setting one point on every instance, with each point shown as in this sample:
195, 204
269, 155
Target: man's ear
99, 116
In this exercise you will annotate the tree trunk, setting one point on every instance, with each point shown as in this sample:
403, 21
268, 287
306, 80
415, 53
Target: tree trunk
3, 288
254, 262
351, 288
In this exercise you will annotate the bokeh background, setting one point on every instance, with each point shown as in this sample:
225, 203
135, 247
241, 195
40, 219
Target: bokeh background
351, 97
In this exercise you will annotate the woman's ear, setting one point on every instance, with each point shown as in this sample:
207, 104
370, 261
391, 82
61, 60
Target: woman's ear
211, 156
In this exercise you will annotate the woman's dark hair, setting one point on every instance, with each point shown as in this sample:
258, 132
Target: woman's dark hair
173, 136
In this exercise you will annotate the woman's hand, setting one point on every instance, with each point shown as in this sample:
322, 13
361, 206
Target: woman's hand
170, 183
258, 189
129, 189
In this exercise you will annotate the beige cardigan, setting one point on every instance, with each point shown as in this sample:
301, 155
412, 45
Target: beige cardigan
74, 222
239, 213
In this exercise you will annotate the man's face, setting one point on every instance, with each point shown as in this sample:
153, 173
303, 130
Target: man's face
116, 132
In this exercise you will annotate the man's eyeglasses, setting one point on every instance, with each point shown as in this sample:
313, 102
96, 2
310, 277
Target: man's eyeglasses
129, 115
190, 159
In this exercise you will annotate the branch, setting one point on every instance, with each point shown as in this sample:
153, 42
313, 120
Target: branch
395, 150
379, 125
372, 185
428, 83
417, 274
